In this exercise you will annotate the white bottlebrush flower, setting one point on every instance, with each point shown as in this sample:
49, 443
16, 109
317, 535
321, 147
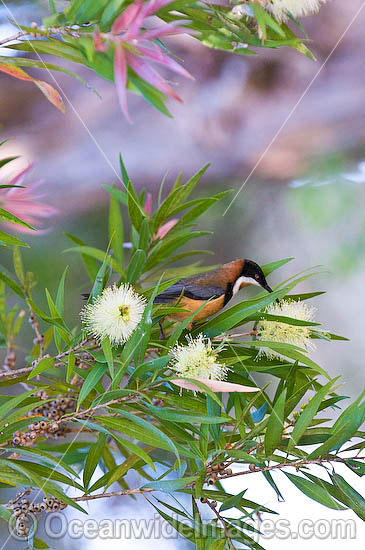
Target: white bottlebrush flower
273, 331
297, 8
198, 360
114, 314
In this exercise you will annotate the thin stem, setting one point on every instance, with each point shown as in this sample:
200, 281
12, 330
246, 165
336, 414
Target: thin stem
113, 494
229, 336
14, 37
78, 346
212, 507
35, 326
25, 370
296, 464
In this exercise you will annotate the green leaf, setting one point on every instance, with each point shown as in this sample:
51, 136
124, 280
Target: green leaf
232, 502
186, 531
96, 373
150, 93
116, 230
355, 501
40, 544
93, 458
70, 365
314, 491
111, 11
52, 47
307, 415
90, 263
274, 429
8, 217
107, 349
140, 429
39, 454
136, 266
12, 284
44, 364
169, 485
144, 236
182, 416
135, 210
175, 335
5, 161
237, 314
10, 239
97, 254
136, 450
10, 404
60, 298
18, 265
176, 197
121, 196
99, 283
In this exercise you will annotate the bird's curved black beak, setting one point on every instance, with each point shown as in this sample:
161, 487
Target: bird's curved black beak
269, 289
266, 287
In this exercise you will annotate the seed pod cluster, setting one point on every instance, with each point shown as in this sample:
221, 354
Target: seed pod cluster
212, 503
215, 470
39, 339
24, 511
53, 411
10, 359
158, 402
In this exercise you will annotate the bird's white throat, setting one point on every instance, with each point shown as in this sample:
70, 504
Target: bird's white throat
243, 280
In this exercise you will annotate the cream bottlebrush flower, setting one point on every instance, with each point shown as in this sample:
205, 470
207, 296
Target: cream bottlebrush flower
297, 8
273, 331
114, 314
198, 360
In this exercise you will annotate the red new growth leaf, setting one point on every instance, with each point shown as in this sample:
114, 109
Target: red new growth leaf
51, 93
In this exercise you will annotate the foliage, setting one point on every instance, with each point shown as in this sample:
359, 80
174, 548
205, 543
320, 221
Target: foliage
117, 408
97, 34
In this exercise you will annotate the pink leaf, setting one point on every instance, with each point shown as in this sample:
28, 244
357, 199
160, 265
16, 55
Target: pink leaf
149, 74
18, 178
147, 9
159, 57
214, 385
155, 5
25, 204
122, 23
169, 29
51, 94
14, 71
99, 44
120, 78
148, 204
165, 228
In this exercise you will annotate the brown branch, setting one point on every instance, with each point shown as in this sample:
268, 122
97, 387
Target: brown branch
113, 494
75, 348
228, 336
25, 370
296, 464
91, 410
212, 507
14, 37
39, 339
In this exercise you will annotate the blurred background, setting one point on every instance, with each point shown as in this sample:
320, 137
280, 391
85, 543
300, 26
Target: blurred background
292, 135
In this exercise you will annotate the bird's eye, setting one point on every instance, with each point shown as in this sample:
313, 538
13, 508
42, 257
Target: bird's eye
257, 276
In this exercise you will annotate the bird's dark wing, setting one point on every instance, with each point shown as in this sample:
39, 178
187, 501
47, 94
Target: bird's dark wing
189, 290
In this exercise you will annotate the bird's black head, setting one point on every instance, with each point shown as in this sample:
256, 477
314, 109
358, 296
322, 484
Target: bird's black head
252, 274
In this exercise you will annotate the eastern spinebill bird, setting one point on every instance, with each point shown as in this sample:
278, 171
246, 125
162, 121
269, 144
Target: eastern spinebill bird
217, 286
